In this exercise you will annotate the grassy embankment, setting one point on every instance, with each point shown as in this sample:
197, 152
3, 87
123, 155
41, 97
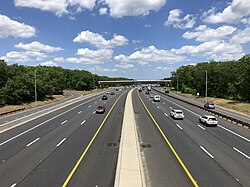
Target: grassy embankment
235, 106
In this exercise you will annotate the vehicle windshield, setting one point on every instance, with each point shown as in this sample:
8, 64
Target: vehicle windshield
179, 112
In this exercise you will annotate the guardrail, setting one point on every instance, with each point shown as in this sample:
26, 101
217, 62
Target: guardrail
12, 111
232, 119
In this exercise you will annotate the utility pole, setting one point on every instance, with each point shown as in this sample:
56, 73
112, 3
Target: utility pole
177, 84
35, 91
206, 85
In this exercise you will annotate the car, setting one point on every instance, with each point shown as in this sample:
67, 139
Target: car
157, 98
140, 89
104, 97
147, 92
100, 110
152, 96
107, 92
166, 91
208, 120
176, 114
112, 93
209, 106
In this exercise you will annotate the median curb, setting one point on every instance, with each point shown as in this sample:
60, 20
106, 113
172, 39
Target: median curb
129, 171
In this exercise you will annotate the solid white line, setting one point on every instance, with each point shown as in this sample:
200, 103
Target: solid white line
79, 112
13, 185
201, 127
14, 137
60, 142
166, 114
234, 133
32, 142
158, 107
83, 122
245, 155
181, 107
209, 154
179, 126
218, 125
64, 122
94, 112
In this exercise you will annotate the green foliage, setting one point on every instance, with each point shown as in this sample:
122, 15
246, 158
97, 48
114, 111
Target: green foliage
17, 83
225, 79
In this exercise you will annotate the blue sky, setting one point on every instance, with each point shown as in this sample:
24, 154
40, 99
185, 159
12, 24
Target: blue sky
137, 39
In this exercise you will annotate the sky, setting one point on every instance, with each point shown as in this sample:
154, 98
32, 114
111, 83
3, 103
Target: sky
137, 39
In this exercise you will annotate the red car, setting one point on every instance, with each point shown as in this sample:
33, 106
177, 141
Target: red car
100, 110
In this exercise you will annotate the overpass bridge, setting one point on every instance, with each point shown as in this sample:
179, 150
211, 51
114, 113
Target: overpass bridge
133, 82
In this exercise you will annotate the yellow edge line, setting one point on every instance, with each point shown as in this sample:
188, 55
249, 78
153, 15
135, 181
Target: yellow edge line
169, 144
87, 148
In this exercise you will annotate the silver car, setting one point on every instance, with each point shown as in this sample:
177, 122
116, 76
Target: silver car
176, 114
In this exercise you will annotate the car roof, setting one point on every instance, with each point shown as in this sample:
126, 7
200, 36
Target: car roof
209, 116
177, 110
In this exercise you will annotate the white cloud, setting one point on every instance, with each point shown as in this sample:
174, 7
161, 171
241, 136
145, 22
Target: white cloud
123, 8
147, 25
49, 63
101, 69
151, 54
58, 7
163, 68
99, 41
241, 37
214, 50
88, 56
136, 41
204, 33
124, 65
26, 56
233, 13
39, 47
174, 19
143, 63
103, 11
59, 59
9, 27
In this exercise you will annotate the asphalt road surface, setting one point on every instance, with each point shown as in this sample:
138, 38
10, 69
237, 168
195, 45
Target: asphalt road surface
74, 146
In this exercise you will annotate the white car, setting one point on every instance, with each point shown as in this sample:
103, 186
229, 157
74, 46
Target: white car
208, 120
157, 98
176, 114
107, 92
152, 96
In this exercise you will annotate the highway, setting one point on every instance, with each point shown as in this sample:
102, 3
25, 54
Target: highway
74, 146
214, 156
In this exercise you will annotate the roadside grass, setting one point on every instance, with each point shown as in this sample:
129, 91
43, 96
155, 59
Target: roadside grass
235, 106
52, 99
48, 100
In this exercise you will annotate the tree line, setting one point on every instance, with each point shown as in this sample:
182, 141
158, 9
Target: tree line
17, 82
225, 79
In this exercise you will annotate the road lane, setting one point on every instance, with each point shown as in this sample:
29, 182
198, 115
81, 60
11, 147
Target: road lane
204, 169
17, 167
161, 168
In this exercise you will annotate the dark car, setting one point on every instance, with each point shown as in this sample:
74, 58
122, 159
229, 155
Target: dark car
147, 92
100, 110
112, 93
166, 91
209, 106
104, 97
